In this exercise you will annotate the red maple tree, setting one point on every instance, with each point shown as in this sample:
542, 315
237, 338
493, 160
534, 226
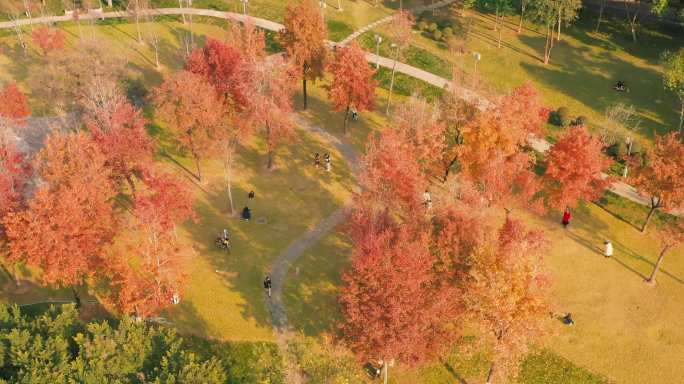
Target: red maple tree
13, 104
223, 67
660, 174
270, 102
121, 136
352, 84
304, 39
507, 295
70, 219
48, 39
575, 169
193, 111
15, 172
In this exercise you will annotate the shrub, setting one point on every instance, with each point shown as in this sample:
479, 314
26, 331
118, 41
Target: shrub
581, 120
432, 27
422, 25
437, 35
448, 32
563, 115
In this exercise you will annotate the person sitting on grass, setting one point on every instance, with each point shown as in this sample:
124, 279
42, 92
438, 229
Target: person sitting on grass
246, 213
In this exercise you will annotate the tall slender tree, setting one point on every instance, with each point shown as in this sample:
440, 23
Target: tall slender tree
673, 79
352, 84
48, 39
670, 236
401, 30
192, 109
304, 39
507, 295
660, 175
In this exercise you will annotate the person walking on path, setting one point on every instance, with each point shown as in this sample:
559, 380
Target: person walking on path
609, 248
326, 158
251, 195
267, 285
566, 217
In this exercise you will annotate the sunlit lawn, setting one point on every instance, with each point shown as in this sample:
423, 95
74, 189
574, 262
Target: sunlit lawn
584, 65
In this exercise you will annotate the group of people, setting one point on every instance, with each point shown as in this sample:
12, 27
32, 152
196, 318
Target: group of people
326, 160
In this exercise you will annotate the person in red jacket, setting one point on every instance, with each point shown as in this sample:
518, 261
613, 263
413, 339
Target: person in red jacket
566, 217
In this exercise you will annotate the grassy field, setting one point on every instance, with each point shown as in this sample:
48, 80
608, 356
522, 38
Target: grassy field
584, 65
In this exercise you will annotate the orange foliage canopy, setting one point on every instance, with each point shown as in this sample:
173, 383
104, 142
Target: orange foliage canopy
13, 104
48, 39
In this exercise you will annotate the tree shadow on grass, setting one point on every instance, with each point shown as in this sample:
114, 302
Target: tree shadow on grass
587, 77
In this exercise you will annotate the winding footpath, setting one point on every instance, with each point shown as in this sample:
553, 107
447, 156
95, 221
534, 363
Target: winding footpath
290, 255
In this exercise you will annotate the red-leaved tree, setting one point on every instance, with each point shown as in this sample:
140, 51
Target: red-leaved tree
13, 104
304, 38
660, 174
574, 171
48, 39
70, 219
352, 84
223, 67
270, 102
506, 295
193, 111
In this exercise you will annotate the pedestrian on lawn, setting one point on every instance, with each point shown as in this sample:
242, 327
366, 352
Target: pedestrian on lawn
327, 160
609, 248
566, 217
267, 285
317, 160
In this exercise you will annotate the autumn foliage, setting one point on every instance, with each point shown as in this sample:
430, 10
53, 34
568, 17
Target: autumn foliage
575, 169
48, 39
352, 84
70, 220
304, 39
660, 174
13, 104
506, 295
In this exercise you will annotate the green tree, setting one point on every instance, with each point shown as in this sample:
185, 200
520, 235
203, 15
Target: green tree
324, 362
673, 78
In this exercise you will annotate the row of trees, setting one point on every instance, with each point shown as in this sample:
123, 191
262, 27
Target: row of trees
422, 273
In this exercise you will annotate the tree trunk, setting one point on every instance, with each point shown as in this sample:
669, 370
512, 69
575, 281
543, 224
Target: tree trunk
77, 298
229, 178
448, 169
650, 215
346, 119
385, 369
560, 9
490, 375
304, 85
109, 4
496, 19
522, 16
270, 151
652, 279
389, 96
500, 28
598, 24
681, 120
180, 5
131, 184
547, 46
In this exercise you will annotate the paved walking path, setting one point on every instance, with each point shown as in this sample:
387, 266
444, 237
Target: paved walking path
389, 18
288, 257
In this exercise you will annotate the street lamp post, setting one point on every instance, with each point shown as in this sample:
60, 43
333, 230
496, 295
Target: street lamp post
378, 40
244, 6
477, 56
394, 68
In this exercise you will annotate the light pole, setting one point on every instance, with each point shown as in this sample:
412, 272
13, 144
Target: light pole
323, 5
477, 56
394, 68
244, 6
378, 40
